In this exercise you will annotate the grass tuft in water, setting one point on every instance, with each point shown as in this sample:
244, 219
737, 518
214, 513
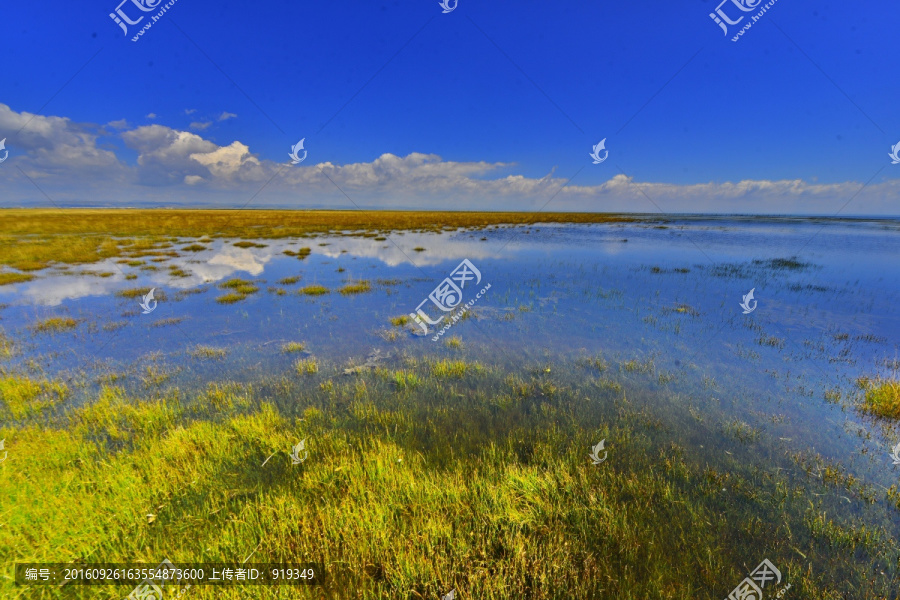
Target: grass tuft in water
293, 347
314, 290
306, 366
882, 397
54, 325
207, 352
356, 287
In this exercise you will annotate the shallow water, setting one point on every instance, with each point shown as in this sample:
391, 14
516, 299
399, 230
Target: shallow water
666, 292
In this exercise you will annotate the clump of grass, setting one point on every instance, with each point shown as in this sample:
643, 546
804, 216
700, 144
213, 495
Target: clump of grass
453, 342
388, 281
306, 366
194, 248
882, 397
54, 325
23, 397
241, 286
176, 271
314, 290
8, 278
399, 321
450, 368
405, 380
418, 249
293, 347
301, 253
356, 287
207, 352
289, 280
245, 244
231, 298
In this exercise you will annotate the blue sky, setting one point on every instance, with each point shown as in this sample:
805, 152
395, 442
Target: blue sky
494, 105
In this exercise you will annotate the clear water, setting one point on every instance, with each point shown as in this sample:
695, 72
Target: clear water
559, 293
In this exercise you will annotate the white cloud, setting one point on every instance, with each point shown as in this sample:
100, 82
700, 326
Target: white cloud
227, 115
120, 124
190, 111
200, 126
67, 153
151, 116
55, 145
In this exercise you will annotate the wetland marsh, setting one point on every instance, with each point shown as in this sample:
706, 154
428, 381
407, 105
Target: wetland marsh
461, 463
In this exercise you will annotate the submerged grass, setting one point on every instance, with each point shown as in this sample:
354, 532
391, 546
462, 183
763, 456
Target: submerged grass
22, 397
413, 487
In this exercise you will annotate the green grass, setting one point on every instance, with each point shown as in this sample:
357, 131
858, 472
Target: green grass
8, 278
241, 286
356, 287
195, 248
451, 368
289, 280
314, 290
207, 352
399, 321
306, 366
882, 398
22, 397
240, 289
293, 347
403, 495
245, 244
54, 325
231, 298
453, 342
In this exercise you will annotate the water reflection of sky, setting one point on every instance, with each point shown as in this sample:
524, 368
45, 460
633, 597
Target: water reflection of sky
558, 292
